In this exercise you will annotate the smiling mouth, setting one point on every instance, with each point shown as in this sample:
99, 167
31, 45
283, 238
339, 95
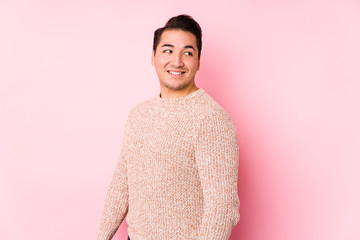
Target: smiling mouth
177, 73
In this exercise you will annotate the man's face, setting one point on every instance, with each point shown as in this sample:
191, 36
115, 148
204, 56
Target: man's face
176, 60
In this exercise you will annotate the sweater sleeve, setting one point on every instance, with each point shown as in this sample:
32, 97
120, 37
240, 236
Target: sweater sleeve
116, 201
216, 153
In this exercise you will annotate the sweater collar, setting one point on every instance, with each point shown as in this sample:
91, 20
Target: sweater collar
183, 99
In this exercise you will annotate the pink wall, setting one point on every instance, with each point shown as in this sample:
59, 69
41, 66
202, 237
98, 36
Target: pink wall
286, 71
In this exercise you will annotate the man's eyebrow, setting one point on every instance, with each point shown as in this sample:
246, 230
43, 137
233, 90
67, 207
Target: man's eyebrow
189, 46
167, 45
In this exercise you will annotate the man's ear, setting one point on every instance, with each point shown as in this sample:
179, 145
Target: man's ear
152, 57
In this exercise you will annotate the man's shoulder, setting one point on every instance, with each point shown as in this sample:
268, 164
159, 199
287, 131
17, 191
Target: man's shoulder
213, 117
209, 107
141, 108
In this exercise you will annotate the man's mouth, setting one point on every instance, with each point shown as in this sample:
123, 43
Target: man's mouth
177, 73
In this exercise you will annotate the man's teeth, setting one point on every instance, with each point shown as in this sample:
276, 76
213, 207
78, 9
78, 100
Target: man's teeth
175, 73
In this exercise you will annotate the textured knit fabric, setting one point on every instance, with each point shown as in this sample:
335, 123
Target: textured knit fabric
176, 177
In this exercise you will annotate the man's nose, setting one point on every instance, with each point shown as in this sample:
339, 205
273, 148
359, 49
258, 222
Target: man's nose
178, 60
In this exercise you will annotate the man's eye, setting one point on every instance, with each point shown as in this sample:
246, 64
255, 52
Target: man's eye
188, 53
167, 51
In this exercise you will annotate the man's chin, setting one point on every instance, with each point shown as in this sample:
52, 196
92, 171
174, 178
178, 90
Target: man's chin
176, 87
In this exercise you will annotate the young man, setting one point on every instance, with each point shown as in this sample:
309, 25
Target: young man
177, 174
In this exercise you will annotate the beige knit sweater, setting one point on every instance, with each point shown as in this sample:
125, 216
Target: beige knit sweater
176, 177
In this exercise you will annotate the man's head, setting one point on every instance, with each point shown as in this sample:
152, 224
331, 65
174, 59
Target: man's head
181, 22
176, 56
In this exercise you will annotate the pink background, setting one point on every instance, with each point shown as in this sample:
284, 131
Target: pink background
286, 71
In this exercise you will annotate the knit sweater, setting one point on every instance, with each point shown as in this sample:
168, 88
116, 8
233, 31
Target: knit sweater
176, 177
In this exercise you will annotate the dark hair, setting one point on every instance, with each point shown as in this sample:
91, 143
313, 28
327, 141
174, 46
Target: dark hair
182, 22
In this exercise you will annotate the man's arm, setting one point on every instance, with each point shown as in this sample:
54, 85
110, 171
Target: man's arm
216, 152
116, 203
117, 197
